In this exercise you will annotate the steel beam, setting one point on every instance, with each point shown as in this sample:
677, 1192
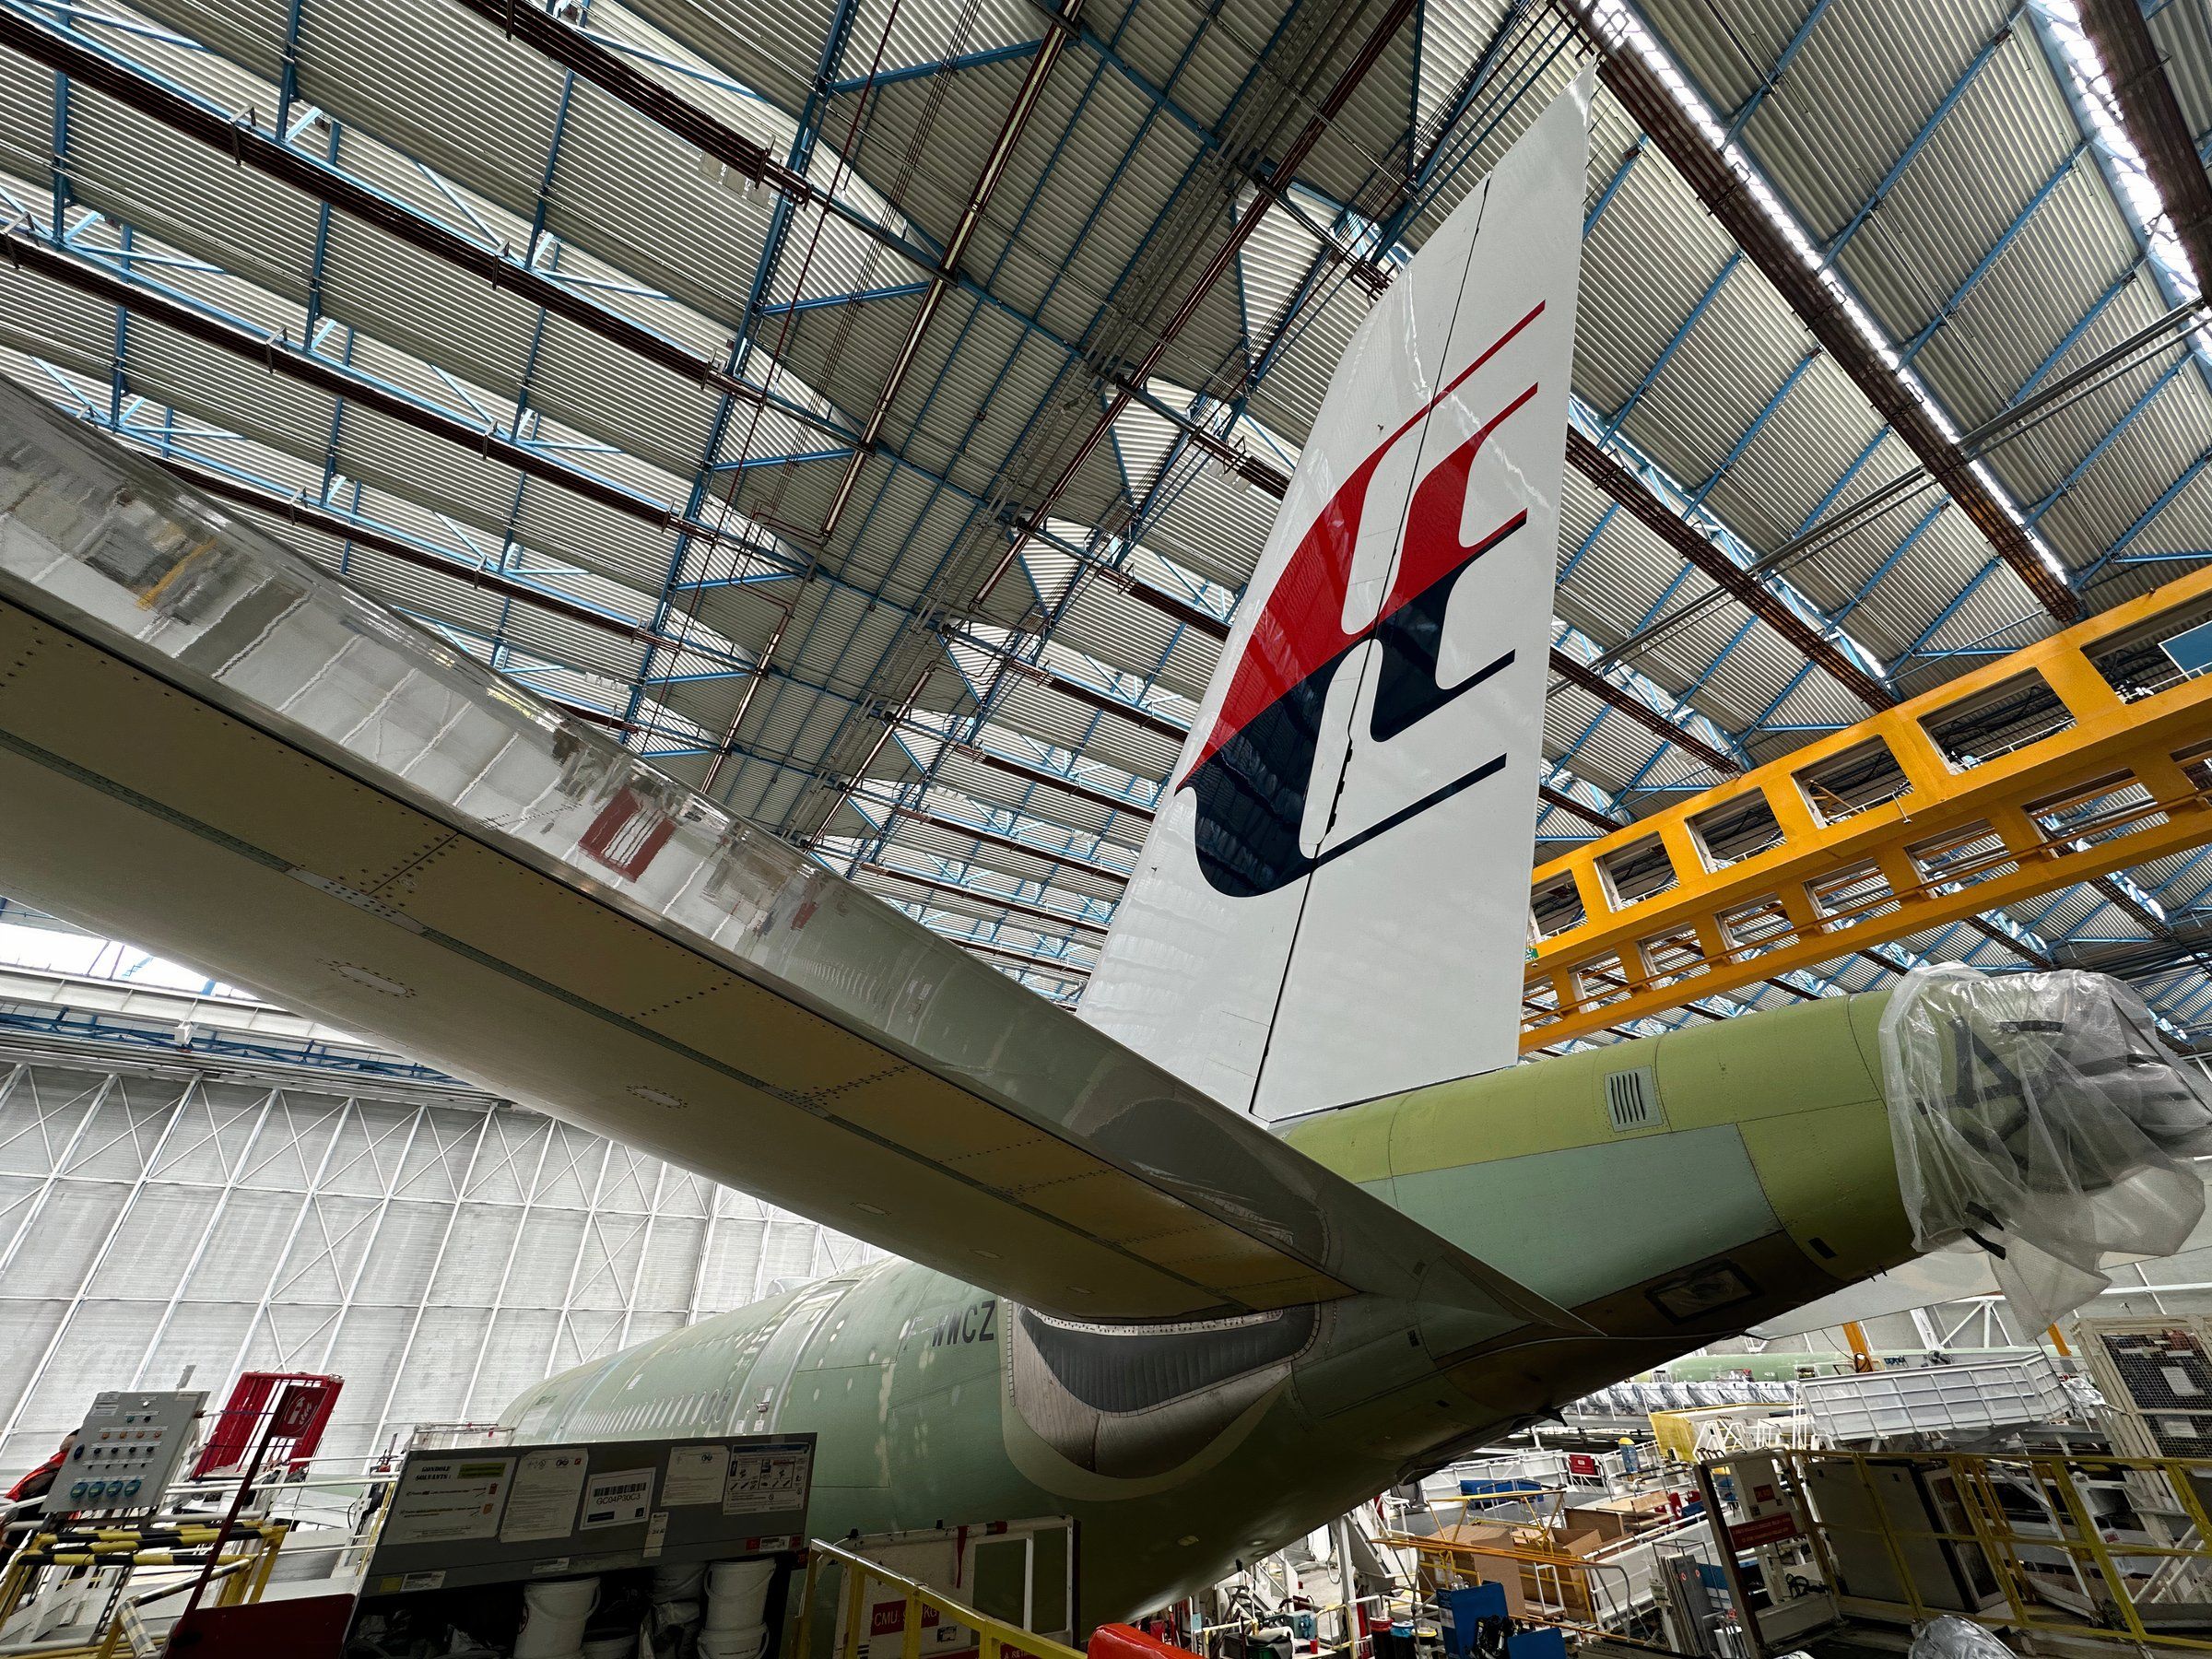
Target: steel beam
2153, 118
591, 61
1919, 141
31, 252
294, 510
992, 837
956, 247
248, 146
1617, 482
1729, 267
1032, 774
951, 65
1566, 803
1091, 696
980, 896
1048, 966
1689, 937
1983, 267
1588, 679
1223, 260
1821, 306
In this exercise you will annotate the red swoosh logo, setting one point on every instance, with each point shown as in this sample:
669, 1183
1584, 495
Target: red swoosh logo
1302, 626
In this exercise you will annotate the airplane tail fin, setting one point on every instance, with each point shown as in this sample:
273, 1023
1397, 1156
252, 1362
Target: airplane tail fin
1333, 900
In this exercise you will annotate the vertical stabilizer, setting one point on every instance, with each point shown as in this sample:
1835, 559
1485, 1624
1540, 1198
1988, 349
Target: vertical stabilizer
1332, 902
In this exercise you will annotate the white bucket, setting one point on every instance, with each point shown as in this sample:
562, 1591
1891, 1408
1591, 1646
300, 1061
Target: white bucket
553, 1617
749, 1642
737, 1594
677, 1583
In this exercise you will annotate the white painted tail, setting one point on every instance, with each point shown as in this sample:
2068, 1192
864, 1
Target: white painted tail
1333, 900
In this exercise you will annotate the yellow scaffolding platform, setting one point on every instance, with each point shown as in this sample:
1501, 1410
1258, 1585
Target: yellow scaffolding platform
2088, 754
2102, 1550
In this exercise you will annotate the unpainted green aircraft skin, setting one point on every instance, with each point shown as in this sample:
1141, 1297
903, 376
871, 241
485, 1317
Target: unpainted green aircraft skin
1764, 1178
1784, 1366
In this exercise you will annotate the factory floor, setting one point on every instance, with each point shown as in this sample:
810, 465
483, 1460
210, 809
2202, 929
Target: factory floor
1855, 1641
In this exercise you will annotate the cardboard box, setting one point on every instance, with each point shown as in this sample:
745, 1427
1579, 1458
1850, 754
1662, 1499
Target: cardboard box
1497, 1570
1617, 1518
1612, 1525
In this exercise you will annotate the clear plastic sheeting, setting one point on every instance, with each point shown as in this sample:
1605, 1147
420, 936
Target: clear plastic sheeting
1640, 1399
2039, 1116
1951, 1637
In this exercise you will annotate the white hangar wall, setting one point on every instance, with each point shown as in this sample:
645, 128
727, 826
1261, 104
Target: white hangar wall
161, 1208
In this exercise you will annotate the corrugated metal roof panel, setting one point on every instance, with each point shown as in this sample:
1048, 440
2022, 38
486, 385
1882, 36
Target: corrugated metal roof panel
1983, 161
1094, 191
2073, 249
1889, 67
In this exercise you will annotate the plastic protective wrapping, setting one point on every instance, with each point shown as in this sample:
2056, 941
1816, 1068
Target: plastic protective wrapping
102, 545
1951, 1637
2038, 1116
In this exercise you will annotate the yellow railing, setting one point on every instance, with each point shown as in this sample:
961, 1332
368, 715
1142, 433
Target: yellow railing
997, 1636
2046, 1549
242, 1573
1699, 898
1452, 1561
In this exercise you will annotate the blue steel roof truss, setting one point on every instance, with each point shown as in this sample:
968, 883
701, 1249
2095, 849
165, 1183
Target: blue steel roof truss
1507, 68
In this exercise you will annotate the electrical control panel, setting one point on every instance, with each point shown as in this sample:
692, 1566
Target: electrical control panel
128, 1450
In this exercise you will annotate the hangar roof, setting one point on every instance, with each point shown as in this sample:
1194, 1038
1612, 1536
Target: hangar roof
873, 409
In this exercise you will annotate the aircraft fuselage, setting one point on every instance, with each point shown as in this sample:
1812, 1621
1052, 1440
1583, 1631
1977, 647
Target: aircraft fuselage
1764, 1177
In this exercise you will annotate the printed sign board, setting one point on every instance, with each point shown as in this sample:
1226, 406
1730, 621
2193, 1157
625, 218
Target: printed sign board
516, 1512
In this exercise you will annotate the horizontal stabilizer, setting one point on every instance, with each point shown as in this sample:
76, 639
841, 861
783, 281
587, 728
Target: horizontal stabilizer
213, 749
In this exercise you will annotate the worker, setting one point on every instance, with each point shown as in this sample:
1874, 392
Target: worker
40, 1480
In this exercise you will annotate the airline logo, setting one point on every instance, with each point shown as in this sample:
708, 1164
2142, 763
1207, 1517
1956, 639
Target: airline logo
1252, 780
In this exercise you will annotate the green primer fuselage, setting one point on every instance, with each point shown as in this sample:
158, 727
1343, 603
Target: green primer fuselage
1767, 1180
